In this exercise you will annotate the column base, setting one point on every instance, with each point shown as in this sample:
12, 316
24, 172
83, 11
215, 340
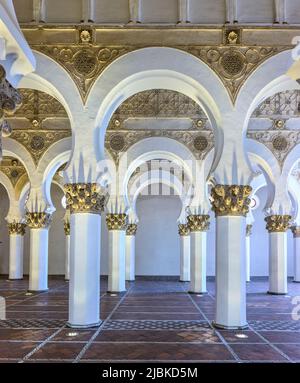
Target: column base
37, 291
223, 327
199, 293
273, 293
15, 279
116, 292
248, 281
186, 280
130, 280
79, 326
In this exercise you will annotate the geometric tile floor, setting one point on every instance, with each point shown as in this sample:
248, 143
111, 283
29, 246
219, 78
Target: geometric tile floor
151, 321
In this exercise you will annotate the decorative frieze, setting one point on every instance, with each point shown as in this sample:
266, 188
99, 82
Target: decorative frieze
248, 230
38, 220
280, 142
85, 198
278, 223
198, 222
116, 221
67, 227
296, 231
232, 63
231, 200
16, 228
131, 229
183, 229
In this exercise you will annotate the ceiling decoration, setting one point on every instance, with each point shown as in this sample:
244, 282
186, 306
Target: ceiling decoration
13, 169
39, 122
163, 105
280, 137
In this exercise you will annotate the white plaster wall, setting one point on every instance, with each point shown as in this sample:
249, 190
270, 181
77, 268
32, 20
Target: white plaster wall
157, 240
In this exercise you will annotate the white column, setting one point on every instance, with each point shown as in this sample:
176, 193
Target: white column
85, 202
185, 252
16, 246
130, 258
277, 263
248, 252
198, 262
84, 286
185, 255
39, 223
116, 224
230, 272
277, 226
67, 256
296, 232
198, 225
116, 267
38, 269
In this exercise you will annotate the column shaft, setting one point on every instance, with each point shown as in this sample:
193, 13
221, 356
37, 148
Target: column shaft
297, 259
198, 262
230, 272
16, 246
185, 254
130, 257
84, 286
277, 263
38, 270
248, 252
116, 273
67, 257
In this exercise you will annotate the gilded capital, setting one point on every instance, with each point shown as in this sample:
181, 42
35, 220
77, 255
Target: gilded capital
278, 223
183, 229
296, 231
16, 228
248, 230
231, 200
67, 227
131, 229
198, 222
84, 198
38, 220
116, 221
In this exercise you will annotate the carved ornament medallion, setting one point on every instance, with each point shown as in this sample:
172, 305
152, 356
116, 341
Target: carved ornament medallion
84, 198
183, 229
131, 229
38, 220
198, 222
116, 221
231, 200
16, 228
278, 223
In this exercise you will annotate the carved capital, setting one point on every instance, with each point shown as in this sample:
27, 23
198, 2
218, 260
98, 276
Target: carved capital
85, 198
198, 222
248, 230
278, 223
231, 199
38, 220
131, 229
296, 231
183, 229
16, 228
67, 227
116, 221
